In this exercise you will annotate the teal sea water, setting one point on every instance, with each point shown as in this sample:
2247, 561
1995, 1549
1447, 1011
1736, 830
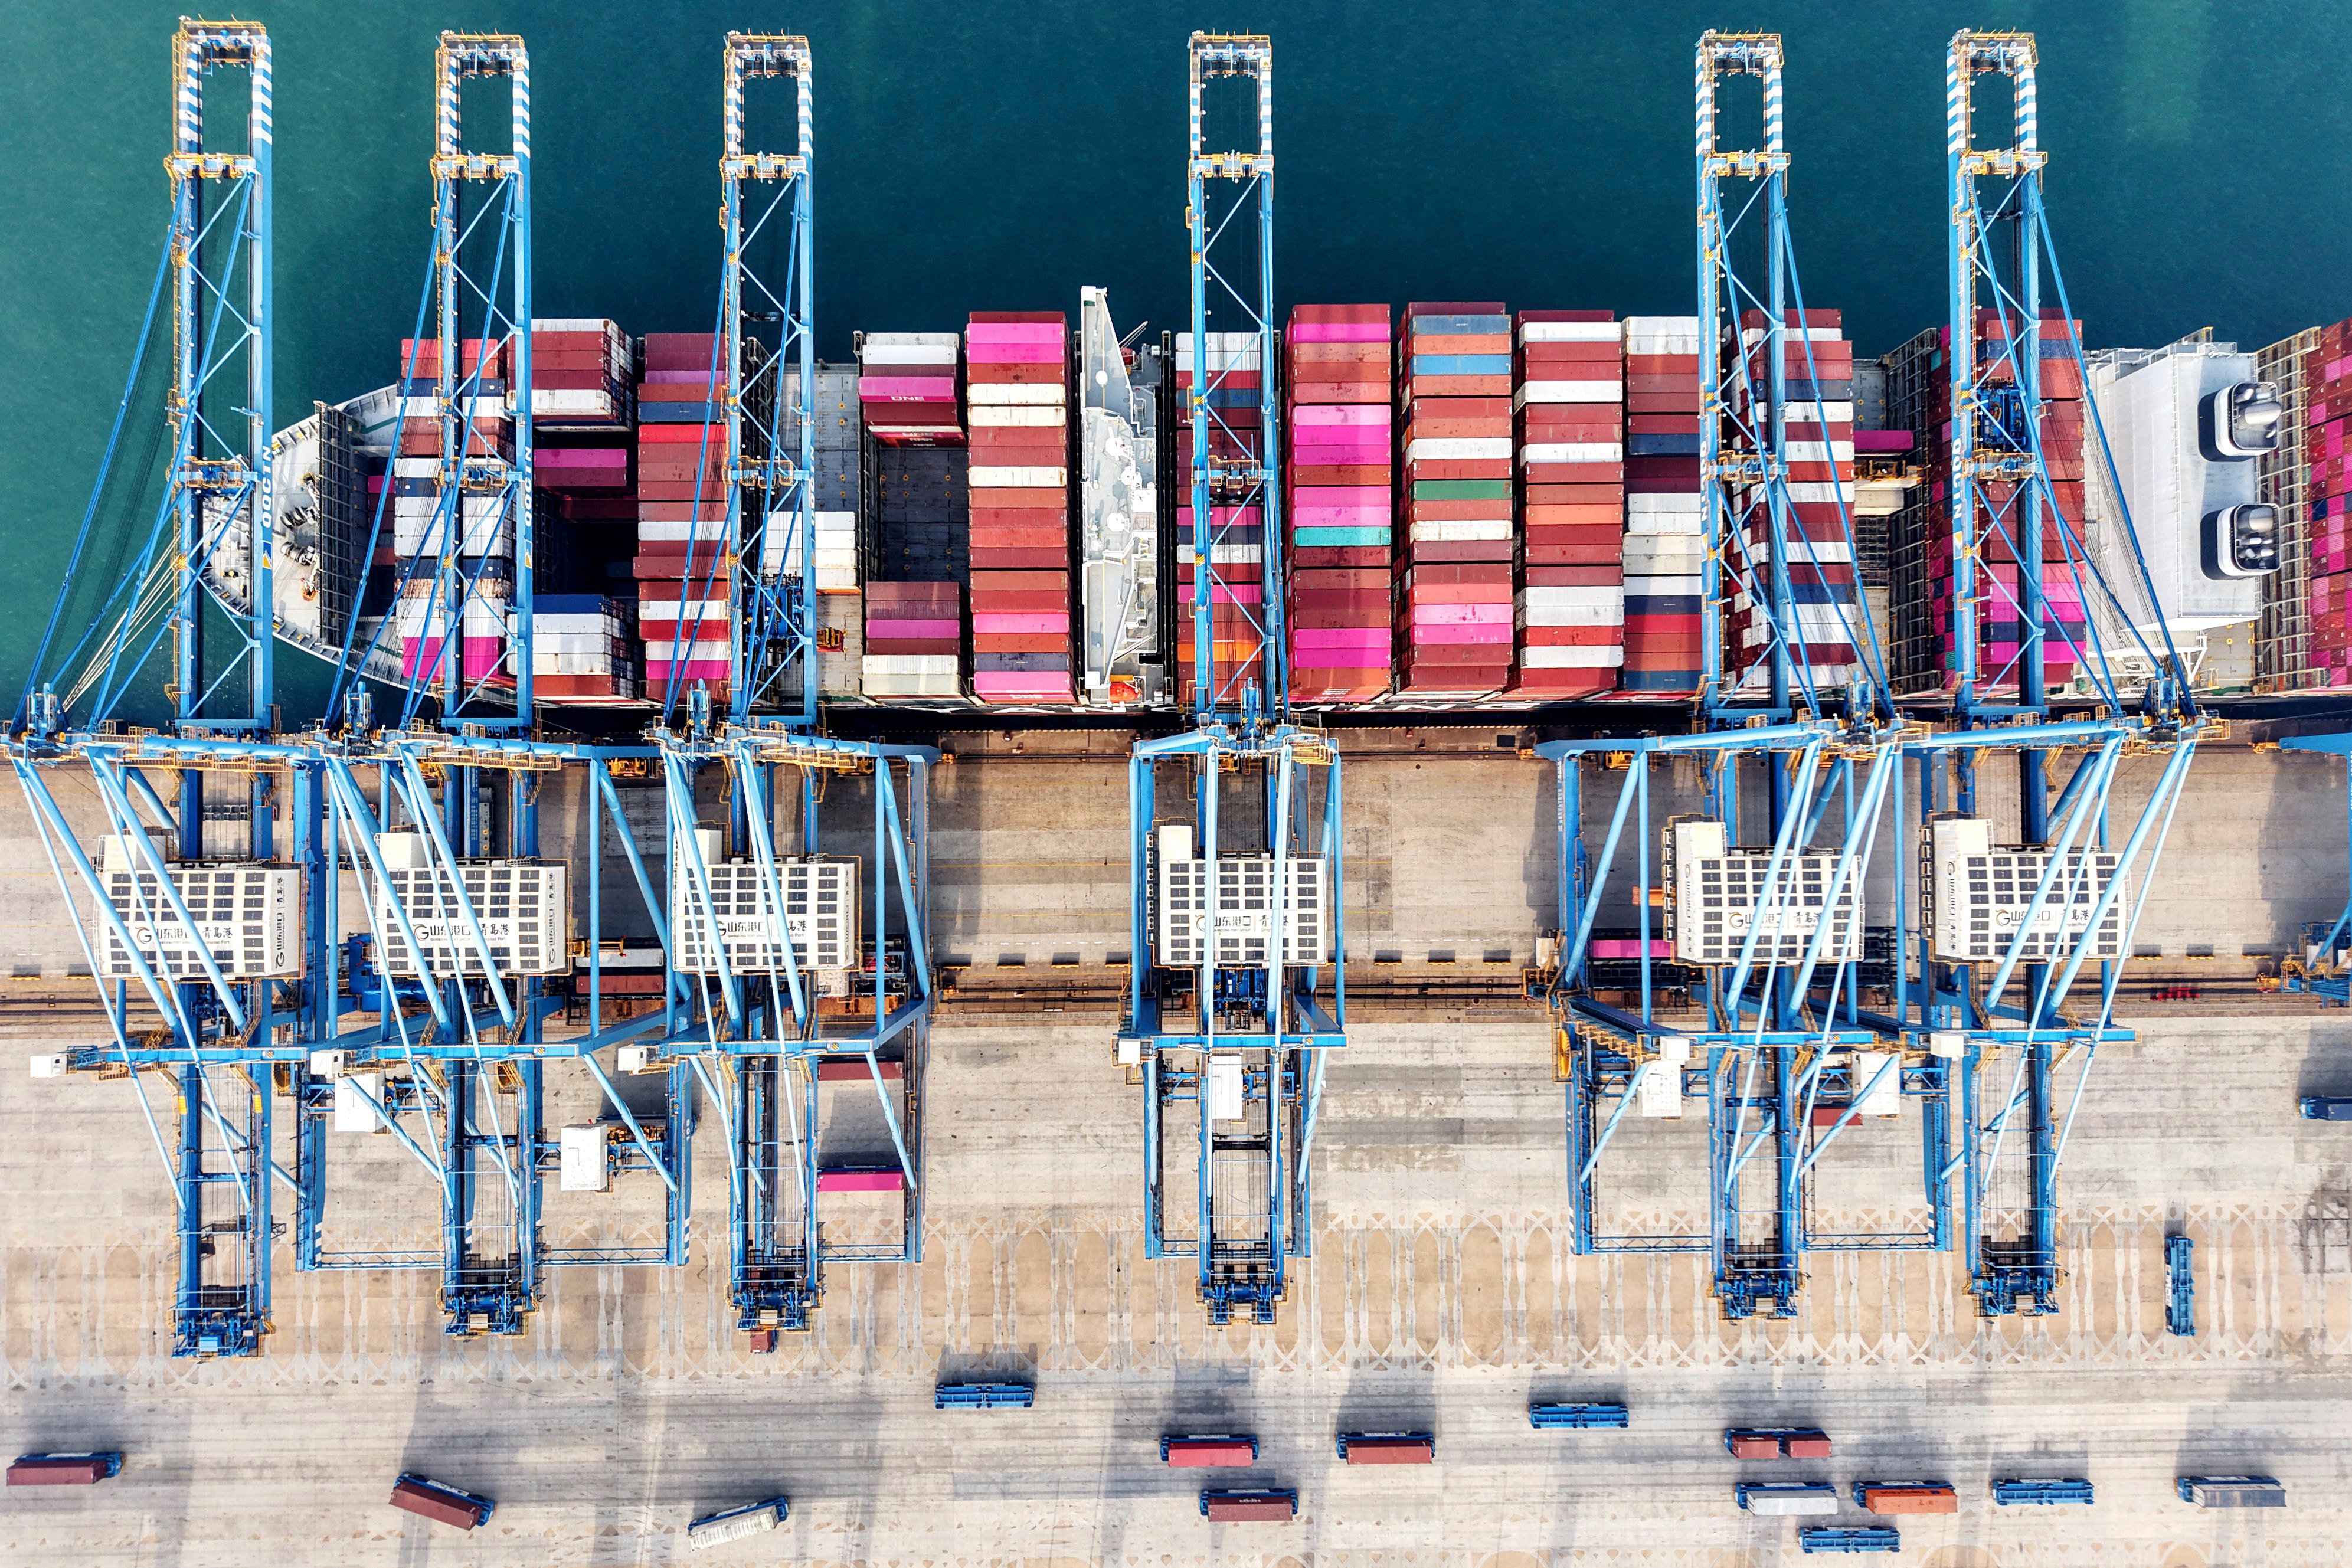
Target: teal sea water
979, 155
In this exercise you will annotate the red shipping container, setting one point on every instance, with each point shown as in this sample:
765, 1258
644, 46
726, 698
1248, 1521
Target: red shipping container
1570, 555
1017, 559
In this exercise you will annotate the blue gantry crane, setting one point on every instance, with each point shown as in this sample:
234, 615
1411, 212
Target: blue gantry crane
200, 928
2032, 911
1236, 987
466, 924
807, 967
1761, 891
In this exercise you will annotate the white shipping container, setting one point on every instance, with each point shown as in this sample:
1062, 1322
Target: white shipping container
1536, 596
1017, 417
1457, 449
1017, 479
1460, 532
1573, 452
1611, 391
910, 664
1660, 585
984, 394
1571, 331
1611, 657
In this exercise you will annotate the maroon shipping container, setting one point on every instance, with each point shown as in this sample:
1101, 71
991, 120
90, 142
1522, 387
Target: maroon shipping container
841, 1069
429, 1501
1369, 1450
1753, 1445
1811, 1445
1239, 1507
57, 1471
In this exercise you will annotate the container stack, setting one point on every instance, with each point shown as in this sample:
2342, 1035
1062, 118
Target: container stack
484, 524
581, 373
683, 581
1817, 370
1999, 618
1018, 374
1337, 498
1568, 406
1665, 531
583, 649
914, 639
2327, 394
1233, 378
1453, 584
907, 388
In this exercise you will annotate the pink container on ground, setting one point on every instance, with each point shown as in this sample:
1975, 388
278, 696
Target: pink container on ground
860, 1181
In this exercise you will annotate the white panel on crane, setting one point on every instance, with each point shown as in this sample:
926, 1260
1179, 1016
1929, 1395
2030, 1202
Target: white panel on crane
248, 917
820, 916
1720, 893
523, 908
1977, 894
1245, 910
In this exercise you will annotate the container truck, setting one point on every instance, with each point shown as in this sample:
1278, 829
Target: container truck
1388, 1447
737, 1523
2327, 1108
441, 1503
2231, 1491
1853, 1540
2181, 1286
983, 1396
1787, 1497
1906, 1497
1238, 1505
1577, 1416
1204, 1452
2051, 1489
74, 1470
1776, 1442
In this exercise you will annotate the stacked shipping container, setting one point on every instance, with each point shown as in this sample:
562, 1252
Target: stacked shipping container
1666, 532
583, 403
1453, 582
914, 639
1231, 375
1817, 365
1018, 377
1569, 611
907, 388
1931, 660
484, 523
2327, 495
1336, 497
683, 578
